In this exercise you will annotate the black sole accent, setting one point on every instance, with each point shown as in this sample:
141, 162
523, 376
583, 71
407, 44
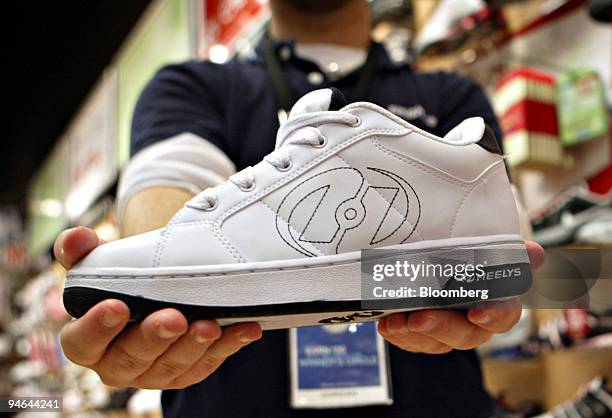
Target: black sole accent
78, 300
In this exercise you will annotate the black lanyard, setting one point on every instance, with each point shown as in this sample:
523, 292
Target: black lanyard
285, 99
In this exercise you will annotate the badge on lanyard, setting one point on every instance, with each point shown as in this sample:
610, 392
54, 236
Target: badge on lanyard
335, 366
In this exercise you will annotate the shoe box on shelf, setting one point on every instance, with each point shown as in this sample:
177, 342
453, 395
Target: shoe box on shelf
581, 106
566, 370
518, 380
548, 379
525, 101
554, 375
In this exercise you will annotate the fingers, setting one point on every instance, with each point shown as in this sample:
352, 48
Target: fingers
73, 244
536, 254
394, 329
498, 316
232, 339
86, 339
132, 353
181, 356
448, 327
161, 352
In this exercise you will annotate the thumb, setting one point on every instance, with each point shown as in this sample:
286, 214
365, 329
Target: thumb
73, 244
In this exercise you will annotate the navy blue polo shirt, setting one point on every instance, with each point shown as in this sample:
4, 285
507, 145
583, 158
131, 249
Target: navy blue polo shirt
233, 105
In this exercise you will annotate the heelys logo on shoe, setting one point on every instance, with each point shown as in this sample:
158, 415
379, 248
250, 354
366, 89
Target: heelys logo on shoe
327, 207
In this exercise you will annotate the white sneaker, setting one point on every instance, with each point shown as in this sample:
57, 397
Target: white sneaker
441, 21
279, 243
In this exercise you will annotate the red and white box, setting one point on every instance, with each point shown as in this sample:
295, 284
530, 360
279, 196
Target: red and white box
525, 103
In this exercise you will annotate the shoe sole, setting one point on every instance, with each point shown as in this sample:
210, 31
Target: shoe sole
289, 293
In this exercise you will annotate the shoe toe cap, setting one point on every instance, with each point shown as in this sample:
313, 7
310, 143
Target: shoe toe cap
132, 252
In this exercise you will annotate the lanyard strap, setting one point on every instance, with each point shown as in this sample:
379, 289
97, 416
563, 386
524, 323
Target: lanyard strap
284, 97
366, 76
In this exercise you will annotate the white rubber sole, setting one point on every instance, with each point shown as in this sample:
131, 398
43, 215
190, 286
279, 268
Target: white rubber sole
279, 294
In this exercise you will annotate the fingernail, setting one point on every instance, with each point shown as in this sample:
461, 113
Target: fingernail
198, 338
396, 324
165, 333
110, 319
247, 336
482, 318
428, 324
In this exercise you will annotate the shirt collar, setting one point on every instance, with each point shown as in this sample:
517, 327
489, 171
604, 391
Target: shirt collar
285, 49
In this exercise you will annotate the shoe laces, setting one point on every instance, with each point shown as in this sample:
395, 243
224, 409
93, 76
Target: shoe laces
301, 131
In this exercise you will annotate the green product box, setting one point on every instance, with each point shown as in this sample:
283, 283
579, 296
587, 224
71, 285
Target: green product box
581, 107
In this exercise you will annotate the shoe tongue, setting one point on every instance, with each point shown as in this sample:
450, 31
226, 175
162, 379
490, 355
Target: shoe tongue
467, 132
318, 101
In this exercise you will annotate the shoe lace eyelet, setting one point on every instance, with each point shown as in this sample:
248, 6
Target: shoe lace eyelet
212, 207
322, 142
286, 167
357, 122
248, 189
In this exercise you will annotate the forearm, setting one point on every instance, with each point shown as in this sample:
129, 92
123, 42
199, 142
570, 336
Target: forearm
161, 178
152, 208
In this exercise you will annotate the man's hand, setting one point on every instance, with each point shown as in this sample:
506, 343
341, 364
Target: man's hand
163, 351
438, 331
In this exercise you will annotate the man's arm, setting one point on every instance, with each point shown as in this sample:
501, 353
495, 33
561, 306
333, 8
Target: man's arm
152, 208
